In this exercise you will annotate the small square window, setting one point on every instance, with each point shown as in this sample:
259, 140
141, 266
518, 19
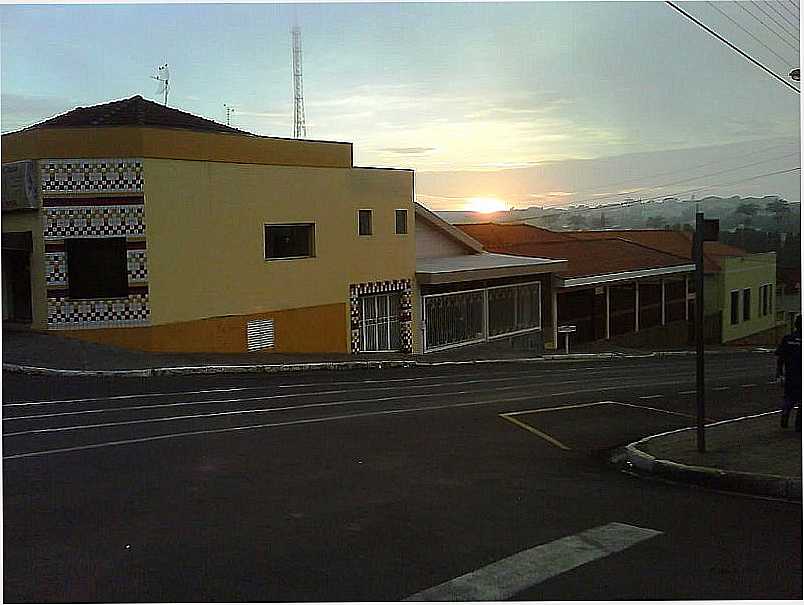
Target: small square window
364, 222
290, 241
401, 222
98, 267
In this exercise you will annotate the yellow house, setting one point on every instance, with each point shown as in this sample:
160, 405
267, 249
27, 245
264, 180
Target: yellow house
135, 224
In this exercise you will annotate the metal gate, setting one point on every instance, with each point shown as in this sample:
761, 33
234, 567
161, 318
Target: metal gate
379, 322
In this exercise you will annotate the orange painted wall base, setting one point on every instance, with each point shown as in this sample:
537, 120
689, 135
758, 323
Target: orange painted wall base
321, 329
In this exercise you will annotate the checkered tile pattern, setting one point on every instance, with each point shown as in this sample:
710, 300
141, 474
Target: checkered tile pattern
137, 266
56, 269
405, 313
94, 221
65, 314
113, 175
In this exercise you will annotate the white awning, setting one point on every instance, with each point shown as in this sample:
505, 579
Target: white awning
485, 265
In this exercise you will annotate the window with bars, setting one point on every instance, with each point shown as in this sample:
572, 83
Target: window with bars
380, 328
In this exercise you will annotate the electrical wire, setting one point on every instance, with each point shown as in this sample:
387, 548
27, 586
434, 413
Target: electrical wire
742, 5
775, 22
789, 12
732, 46
784, 17
794, 4
783, 59
626, 204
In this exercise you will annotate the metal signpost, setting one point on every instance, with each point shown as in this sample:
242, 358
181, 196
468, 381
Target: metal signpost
705, 231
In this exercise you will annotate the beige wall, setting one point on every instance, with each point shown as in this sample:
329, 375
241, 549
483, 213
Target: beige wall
432, 242
205, 236
747, 272
32, 221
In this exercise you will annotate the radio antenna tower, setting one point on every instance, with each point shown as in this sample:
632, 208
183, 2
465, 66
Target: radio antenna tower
299, 128
163, 77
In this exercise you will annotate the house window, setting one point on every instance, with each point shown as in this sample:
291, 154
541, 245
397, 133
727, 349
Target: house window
766, 299
98, 267
364, 222
289, 241
735, 307
746, 304
401, 222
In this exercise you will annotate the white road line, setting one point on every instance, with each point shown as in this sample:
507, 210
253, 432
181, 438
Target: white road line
263, 388
721, 388
687, 392
505, 578
747, 386
284, 396
529, 397
651, 396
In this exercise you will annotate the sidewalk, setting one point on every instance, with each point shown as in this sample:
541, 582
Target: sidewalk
750, 455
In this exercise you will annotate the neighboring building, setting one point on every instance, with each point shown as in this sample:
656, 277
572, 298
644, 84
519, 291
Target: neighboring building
739, 287
135, 224
471, 296
610, 287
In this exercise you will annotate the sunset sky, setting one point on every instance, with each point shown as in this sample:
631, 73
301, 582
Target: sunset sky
546, 88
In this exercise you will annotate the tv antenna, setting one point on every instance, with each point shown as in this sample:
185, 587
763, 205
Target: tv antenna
299, 129
229, 111
163, 77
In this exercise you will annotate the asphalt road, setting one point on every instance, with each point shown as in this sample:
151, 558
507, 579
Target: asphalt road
376, 485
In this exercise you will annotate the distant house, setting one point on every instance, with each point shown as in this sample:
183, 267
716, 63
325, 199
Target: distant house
139, 225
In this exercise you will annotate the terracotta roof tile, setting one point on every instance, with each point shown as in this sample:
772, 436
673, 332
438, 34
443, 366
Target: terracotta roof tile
501, 234
135, 111
595, 256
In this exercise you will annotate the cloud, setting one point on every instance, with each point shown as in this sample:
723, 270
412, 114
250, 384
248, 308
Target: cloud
409, 150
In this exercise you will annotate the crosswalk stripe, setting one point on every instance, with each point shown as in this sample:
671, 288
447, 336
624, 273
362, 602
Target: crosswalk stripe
507, 577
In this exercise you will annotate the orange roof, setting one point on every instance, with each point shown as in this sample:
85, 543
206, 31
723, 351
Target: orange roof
595, 256
678, 243
502, 234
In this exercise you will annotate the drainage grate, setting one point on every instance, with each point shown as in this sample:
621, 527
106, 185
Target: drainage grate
260, 334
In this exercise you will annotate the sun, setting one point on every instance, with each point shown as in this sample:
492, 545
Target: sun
486, 205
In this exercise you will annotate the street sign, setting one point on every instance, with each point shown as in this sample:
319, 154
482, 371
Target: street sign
566, 329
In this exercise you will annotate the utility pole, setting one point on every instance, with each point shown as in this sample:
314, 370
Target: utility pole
705, 231
299, 127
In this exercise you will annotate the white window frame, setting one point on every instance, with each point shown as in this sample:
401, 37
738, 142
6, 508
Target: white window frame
295, 224
361, 301
371, 222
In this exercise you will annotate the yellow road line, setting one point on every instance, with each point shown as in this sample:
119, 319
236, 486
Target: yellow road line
536, 432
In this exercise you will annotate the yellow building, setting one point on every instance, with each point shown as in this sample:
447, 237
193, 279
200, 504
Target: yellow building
135, 224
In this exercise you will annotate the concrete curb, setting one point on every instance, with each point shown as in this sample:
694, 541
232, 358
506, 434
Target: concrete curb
336, 365
714, 478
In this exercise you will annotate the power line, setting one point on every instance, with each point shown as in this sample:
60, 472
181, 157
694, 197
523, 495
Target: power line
626, 204
775, 22
766, 26
794, 4
789, 12
784, 60
784, 18
730, 45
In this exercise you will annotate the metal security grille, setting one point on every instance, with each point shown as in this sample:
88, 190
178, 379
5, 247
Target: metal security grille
260, 334
380, 329
458, 318
452, 319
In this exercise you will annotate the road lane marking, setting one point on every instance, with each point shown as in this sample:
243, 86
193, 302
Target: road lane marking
507, 577
651, 396
687, 392
721, 388
747, 386
535, 431
529, 397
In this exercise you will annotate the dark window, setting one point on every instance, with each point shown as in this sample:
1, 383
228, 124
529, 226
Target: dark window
97, 267
289, 241
364, 222
746, 304
401, 222
735, 308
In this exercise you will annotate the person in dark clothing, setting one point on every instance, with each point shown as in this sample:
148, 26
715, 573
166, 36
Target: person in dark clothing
788, 367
